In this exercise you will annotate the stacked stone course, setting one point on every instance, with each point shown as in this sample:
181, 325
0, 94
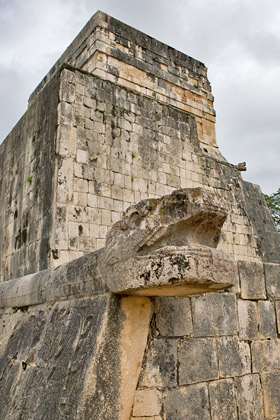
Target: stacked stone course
215, 356
106, 141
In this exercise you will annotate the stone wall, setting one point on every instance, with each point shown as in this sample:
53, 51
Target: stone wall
119, 53
95, 140
117, 147
27, 162
215, 356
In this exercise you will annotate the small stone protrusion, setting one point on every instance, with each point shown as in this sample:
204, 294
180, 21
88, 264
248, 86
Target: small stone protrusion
241, 166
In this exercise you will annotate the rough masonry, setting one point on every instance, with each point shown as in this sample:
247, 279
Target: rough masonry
121, 298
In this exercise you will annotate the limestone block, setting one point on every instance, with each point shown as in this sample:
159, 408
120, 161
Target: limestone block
80, 199
249, 397
173, 316
89, 102
160, 364
197, 360
234, 357
271, 386
80, 185
82, 156
63, 257
265, 355
147, 403
106, 218
68, 75
272, 278
25, 291
252, 280
223, 400
248, 319
67, 140
80, 88
267, 321
92, 200
190, 402
214, 314
117, 194
65, 113
88, 172
67, 91
65, 181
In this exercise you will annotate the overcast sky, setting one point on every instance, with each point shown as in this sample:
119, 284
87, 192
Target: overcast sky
238, 40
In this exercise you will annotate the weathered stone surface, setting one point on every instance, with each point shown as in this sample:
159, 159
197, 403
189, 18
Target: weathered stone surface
50, 353
223, 400
25, 291
190, 402
267, 320
62, 350
249, 397
79, 278
197, 360
234, 357
134, 335
145, 254
173, 316
271, 386
160, 364
260, 217
26, 196
214, 314
169, 229
265, 355
272, 278
252, 280
147, 403
248, 319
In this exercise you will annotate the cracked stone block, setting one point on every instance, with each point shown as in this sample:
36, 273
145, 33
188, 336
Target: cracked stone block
197, 360
160, 364
252, 280
272, 278
271, 386
190, 402
223, 400
147, 403
265, 355
173, 316
267, 321
248, 319
214, 314
249, 397
234, 357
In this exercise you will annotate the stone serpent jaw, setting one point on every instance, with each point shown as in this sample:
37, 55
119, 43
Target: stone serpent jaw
169, 243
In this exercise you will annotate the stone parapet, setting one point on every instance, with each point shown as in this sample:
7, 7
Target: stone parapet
116, 52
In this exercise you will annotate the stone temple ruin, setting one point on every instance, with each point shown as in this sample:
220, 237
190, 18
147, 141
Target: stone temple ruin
173, 313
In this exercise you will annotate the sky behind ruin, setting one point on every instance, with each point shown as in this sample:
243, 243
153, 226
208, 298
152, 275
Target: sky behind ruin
238, 40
